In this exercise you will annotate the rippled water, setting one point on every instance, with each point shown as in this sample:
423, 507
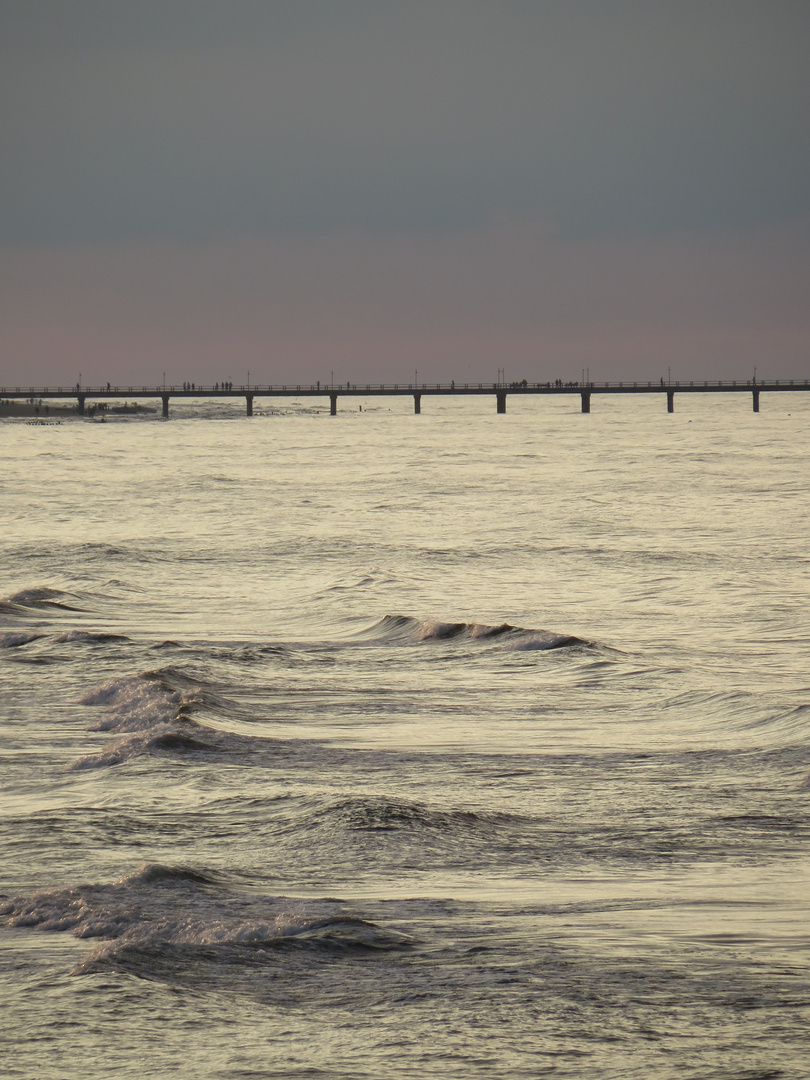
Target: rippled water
456, 745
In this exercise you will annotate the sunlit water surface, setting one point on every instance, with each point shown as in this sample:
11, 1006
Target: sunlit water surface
381, 745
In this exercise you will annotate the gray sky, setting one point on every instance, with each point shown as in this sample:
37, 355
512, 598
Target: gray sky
369, 187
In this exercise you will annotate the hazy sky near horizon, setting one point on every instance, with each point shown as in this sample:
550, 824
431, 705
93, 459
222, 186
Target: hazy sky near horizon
292, 188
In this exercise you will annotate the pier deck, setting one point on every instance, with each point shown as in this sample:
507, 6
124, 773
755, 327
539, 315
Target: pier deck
500, 391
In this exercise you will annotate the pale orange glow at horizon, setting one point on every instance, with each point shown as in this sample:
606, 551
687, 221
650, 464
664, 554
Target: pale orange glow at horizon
375, 308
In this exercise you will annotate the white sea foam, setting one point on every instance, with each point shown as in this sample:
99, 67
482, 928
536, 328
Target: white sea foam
160, 906
138, 703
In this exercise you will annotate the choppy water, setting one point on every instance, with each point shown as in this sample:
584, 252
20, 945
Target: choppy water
458, 745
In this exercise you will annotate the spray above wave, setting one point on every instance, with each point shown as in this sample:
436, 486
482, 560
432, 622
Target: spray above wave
403, 628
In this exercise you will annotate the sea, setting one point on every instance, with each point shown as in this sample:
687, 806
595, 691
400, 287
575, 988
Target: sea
457, 745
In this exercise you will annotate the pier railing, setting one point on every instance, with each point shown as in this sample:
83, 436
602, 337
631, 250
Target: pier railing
232, 390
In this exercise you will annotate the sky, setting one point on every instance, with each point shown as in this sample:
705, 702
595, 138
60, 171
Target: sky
368, 189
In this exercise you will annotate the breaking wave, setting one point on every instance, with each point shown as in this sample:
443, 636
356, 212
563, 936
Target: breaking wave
153, 713
142, 702
162, 911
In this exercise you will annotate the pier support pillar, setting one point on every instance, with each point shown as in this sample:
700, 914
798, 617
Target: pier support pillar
670, 401
81, 405
249, 404
165, 406
501, 396
586, 400
333, 404
417, 403
756, 400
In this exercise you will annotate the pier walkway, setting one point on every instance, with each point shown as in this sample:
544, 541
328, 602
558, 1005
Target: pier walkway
102, 394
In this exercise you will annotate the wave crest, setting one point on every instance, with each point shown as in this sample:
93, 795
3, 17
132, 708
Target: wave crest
409, 630
41, 597
369, 814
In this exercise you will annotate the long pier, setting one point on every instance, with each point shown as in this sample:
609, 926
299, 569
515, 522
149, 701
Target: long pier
222, 391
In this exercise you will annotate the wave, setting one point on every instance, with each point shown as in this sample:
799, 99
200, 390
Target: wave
153, 712
159, 873
406, 629
100, 636
168, 739
152, 709
146, 700
784, 715
381, 814
162, 913
102, 550
43, 597
10, 639
14, 639
184, 737
137, 703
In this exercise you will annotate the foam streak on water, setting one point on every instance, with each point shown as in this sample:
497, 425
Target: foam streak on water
382, 745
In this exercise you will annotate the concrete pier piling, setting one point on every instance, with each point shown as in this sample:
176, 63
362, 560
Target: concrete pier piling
756, 400
501, 396
417, 404
165, 406
249, 404
586, 400
670, 401
80, 407
333, 404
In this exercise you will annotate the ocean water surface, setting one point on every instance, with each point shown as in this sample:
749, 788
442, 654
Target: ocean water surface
381, 745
